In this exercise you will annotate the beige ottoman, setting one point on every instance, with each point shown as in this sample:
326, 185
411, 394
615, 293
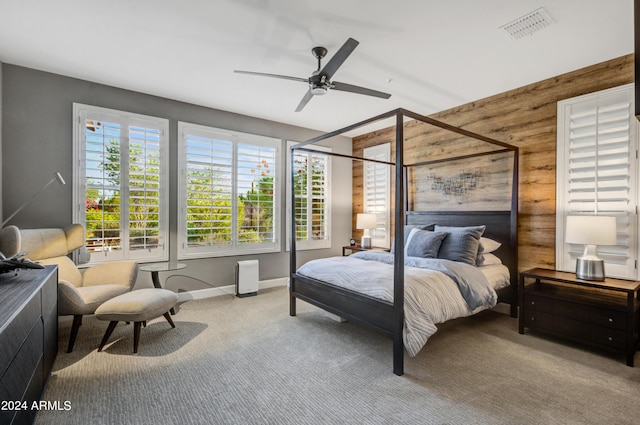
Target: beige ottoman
137, 307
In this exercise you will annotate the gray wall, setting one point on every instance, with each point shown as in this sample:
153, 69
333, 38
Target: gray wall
37, 141
1, 203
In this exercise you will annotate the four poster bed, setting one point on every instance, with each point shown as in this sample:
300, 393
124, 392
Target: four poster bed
387, 290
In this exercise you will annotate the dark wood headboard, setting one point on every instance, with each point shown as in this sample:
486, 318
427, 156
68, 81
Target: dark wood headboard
500, 227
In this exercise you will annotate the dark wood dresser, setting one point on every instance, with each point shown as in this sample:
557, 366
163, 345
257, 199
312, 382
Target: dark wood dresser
601, 314
28, 340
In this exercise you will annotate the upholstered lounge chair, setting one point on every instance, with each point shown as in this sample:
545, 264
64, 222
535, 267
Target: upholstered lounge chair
10, 241
80, 291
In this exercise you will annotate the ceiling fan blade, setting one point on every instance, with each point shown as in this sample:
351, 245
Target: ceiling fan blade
340, 56
357, 89
262, 74
307, 97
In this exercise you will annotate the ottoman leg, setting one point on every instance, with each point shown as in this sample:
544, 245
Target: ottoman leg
136, 335
107, 334
168, 317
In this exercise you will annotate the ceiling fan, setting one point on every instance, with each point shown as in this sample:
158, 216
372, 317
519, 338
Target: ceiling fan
320, 80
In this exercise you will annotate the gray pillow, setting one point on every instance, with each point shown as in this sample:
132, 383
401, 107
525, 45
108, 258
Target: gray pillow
407, 230
461, 243
424, 243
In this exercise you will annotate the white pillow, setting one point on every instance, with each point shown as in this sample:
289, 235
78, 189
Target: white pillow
489, 245
489, 260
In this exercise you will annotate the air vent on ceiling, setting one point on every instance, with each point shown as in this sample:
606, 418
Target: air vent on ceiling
528, 24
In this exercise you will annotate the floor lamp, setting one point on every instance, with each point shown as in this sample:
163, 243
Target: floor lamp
57, 177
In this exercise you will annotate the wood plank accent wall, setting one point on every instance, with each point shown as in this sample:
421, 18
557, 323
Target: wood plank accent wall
525, 117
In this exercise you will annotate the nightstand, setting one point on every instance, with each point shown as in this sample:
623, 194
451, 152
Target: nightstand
600, 314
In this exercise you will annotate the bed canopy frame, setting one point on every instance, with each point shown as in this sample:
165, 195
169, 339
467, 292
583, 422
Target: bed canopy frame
382, 315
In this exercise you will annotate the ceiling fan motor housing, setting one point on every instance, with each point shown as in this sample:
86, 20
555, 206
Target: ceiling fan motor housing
319, 84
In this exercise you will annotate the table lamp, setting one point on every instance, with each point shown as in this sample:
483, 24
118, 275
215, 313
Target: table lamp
590, 230
366, 222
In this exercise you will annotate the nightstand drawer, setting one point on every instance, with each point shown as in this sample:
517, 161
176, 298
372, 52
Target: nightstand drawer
574, 329
608, 318
596, 315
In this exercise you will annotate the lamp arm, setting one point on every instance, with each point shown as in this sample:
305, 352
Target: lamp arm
27, 203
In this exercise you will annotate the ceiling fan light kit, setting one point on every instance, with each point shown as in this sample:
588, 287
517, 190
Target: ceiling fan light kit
320, 80
319, 91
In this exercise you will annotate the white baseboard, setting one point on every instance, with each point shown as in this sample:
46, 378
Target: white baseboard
273, 283
219, 291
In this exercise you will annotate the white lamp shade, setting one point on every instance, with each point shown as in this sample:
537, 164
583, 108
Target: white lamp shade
366, 221
591, 230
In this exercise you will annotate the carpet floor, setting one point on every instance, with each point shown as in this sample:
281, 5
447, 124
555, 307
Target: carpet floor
246, 361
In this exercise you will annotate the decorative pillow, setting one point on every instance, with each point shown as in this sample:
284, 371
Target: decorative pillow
489, 245
423, 243
486, 246
461, 243
407, 230
489, 260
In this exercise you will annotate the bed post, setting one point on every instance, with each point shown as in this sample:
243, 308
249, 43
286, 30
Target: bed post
292, 242
398, 264
514, 231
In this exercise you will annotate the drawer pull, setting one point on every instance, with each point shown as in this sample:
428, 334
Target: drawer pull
610, 338
533, 303
533, 318
610, 320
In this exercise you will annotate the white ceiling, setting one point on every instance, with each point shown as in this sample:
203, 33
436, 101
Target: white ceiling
430, 55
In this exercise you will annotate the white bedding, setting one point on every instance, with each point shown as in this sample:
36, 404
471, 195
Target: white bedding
431, 297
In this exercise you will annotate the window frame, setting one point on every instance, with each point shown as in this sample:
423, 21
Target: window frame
619, 261
384, 217
309, 244
234, 248
126, 120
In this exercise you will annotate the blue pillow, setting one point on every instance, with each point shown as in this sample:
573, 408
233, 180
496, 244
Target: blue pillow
424, 243
407, 230
461, 243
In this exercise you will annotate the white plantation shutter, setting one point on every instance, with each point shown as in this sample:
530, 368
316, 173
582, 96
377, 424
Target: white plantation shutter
256, 168
312, 171
144, 189
120, 183
301, 210
377, 189
102, 186
597, 174
208, 192
318, 208
228, 192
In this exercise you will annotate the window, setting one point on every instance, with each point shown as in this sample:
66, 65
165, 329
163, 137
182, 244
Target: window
120, 183
312, 171
377, 181
228, 192
597, 174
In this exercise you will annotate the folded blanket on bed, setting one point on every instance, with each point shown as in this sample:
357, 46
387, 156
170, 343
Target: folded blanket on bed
473, 286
